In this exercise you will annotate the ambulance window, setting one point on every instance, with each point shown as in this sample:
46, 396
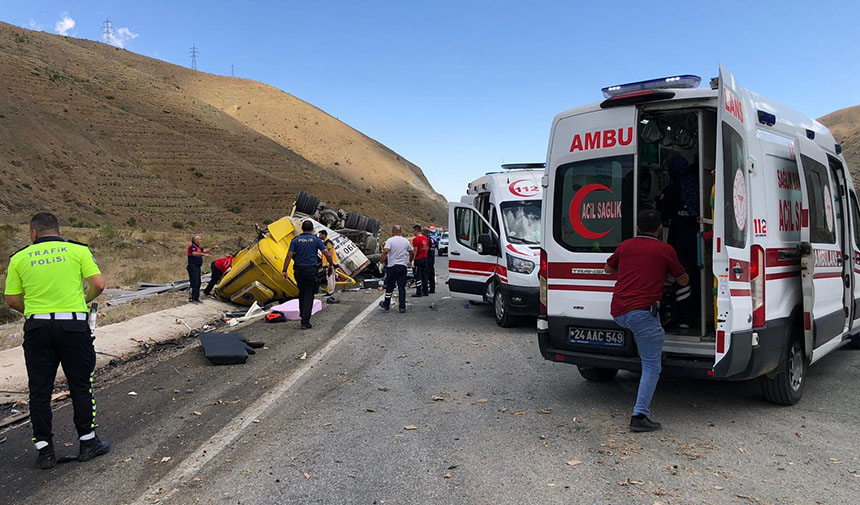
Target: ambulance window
820, 209
735, 188
855, 219
594, 204
468, 226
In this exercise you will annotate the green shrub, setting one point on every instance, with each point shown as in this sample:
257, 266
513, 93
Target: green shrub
178, 225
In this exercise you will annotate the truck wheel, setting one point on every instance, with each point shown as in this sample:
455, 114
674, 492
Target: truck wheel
501, 310
786, 387
362, 222
373, 226
306, 204
352, 220
595, 374
854, 343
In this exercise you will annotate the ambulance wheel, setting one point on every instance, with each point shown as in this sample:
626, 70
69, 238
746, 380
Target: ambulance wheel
595, 374
854, 343
786, 386
500, 309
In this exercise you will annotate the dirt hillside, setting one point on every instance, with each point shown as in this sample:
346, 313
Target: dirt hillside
101, 135
845, 125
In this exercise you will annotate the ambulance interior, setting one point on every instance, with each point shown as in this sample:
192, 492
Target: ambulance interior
676, 159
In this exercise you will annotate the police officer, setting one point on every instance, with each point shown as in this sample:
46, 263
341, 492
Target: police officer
305, 249
431, 258
45, 282
196, 252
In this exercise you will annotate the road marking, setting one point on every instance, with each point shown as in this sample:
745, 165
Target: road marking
165, 488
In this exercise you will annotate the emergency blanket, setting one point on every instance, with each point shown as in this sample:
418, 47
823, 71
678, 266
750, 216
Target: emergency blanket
290, 309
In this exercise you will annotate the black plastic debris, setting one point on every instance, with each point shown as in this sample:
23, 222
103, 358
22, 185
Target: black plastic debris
227, 348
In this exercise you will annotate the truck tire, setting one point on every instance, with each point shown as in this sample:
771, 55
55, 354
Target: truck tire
362, 222
306, 204
329, 218
786, 386
352, 220
595, 374
373, 226
854, 343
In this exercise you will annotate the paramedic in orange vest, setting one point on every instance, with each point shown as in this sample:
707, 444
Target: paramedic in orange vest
642, 264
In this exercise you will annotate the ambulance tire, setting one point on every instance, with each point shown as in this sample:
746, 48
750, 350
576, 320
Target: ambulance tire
501, 310
352, 220
854, 343
786, 386
595, 374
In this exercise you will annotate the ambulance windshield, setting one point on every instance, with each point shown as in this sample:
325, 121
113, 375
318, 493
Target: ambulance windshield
522, 221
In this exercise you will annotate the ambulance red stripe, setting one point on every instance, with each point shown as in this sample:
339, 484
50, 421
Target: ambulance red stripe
782, 275
472, 265
827, 275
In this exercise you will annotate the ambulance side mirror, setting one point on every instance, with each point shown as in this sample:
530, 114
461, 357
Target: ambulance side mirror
487, 245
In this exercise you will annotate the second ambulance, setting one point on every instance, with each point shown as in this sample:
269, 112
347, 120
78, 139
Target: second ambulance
773, 252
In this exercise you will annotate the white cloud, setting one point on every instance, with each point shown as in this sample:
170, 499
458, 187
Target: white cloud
34, 25
119, 37
64, 25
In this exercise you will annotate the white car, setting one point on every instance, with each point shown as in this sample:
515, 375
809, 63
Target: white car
443, 244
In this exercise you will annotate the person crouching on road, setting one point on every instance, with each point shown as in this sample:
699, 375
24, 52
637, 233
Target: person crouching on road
305, 248
219, 268
330, 271
45, 282
642, 264
421, 246
396, 254
196, 253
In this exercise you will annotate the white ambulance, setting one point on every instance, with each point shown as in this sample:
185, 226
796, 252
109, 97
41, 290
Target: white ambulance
776, 266
494, 241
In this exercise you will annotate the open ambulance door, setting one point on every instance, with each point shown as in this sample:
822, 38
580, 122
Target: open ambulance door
822, 260
468, 269
731, 226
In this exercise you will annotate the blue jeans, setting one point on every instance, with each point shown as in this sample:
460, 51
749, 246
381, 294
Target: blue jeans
649, 338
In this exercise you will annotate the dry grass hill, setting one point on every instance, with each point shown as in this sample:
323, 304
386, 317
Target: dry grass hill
102, 135
845, 125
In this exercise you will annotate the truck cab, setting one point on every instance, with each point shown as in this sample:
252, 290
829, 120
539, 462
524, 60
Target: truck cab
494, 242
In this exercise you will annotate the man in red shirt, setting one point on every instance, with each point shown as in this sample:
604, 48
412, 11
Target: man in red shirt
642, 264
421, 272
219, 268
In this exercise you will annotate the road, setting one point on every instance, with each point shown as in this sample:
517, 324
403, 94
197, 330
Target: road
439, 406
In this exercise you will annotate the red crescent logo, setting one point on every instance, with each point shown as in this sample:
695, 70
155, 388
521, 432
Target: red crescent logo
574, 211
529, 189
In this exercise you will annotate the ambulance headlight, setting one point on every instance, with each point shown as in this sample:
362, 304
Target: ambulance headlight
520, 265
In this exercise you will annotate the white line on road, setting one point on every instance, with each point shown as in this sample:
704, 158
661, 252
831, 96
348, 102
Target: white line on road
191, 466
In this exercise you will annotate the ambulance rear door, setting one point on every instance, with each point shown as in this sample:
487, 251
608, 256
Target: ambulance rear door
731, 221
468, 269
821, 261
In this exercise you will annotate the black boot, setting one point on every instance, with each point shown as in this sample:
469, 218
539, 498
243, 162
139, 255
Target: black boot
46, 459
384, 305
92, 448
640, 423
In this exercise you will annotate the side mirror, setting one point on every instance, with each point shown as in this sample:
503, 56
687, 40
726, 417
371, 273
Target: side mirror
487, 245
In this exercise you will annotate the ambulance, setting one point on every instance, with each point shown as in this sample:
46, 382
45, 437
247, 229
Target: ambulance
776, 256
494, 241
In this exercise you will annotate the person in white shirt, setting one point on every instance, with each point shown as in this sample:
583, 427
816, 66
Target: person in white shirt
396, 254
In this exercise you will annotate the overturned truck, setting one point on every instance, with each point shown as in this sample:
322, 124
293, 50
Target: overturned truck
256, 273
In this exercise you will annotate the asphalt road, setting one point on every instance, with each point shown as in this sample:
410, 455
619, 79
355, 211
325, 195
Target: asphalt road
440, 406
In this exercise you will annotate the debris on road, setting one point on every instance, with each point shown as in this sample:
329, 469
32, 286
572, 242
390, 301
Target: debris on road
573, 462
410, 427
303, 356
307, 476
438, 399
197, 413
165, 459
132, 393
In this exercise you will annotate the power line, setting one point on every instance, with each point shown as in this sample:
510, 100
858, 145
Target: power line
107, 31
194, 53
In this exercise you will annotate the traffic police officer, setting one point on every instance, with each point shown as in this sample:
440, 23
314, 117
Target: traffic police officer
305, 248
45, 282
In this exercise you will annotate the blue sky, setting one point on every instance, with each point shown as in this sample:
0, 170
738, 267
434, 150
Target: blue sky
460, 86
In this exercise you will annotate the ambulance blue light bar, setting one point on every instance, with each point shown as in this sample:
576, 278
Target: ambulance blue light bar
685, 81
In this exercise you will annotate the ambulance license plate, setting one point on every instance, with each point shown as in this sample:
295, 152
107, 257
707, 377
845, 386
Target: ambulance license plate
597, 337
